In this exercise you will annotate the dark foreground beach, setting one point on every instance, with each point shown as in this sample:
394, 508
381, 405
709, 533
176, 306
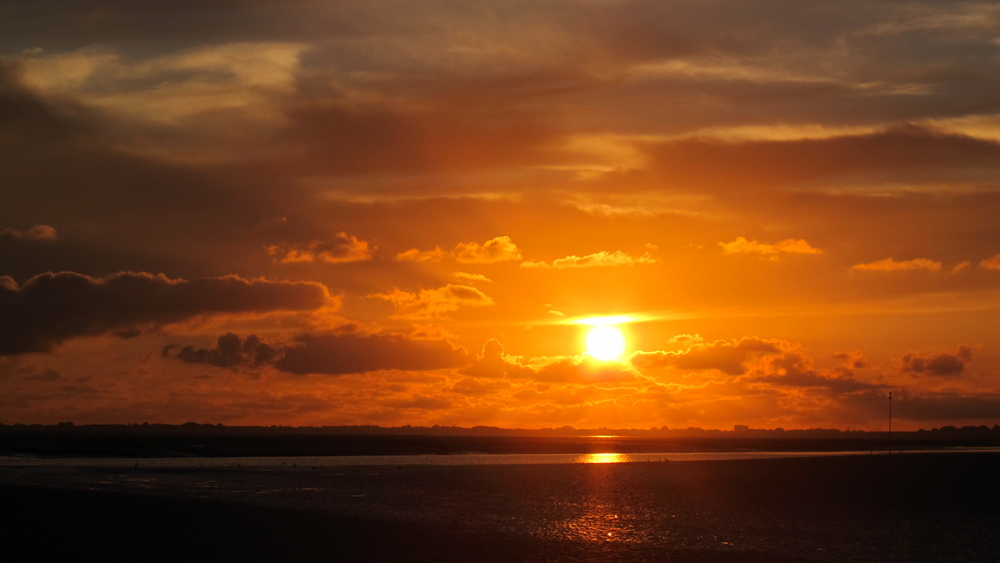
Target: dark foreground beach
911, 507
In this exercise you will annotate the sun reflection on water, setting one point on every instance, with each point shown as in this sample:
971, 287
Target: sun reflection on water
603, 458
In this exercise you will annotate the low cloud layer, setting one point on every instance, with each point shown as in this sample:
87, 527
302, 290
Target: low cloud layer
727, 356
50, 308
330, 354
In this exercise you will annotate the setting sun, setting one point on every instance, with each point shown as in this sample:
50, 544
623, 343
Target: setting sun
605, 343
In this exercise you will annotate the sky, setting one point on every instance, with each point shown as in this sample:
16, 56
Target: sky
394, 212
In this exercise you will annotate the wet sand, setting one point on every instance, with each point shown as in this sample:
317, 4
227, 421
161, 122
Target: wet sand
913, 507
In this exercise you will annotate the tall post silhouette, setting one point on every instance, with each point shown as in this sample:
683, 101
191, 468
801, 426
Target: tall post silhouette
890, 422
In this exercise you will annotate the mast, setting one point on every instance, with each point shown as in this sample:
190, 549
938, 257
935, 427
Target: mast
890, 422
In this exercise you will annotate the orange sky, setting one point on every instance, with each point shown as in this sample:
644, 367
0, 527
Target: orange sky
389, 212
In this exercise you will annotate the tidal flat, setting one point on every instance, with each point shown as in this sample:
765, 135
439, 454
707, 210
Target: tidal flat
909, 507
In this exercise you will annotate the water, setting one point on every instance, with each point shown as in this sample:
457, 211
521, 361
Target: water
809, 506
400, 460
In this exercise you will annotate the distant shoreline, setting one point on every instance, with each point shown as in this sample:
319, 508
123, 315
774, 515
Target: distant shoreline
89, 443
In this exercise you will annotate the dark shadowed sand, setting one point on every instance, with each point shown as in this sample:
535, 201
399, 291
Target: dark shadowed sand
912, 507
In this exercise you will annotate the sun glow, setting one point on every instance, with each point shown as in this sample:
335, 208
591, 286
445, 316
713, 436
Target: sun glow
605, 343
602, 458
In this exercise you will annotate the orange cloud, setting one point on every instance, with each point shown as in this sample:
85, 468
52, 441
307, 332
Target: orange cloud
499, 249
472, 277
740, 245
343, 248
991, 263
598, 259
891, 265
495, 363
723, 355
434, 303
415, 255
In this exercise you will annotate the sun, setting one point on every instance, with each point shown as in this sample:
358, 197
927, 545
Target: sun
605, 343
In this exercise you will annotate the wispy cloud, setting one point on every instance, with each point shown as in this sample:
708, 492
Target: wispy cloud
892, 265
601, 259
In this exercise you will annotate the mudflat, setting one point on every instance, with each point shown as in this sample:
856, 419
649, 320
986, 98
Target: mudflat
911, 507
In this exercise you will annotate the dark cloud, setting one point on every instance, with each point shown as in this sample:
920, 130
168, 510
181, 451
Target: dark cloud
332, 354
901, 153
924, 407
336, 354
854, 360
948, 406
16, 367
38, 232
940, 364
230, 351
24, 114
792, 369
50, 308
726, 356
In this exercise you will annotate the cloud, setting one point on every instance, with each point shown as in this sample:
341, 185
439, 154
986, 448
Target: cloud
991, 263
982, 406
686, 339
727, 356
434, 303
598, 259
472, 277
418, 402
854, 360
342, 248
499, 249
230, 351
891, 265
334, 353
239, 76
740, 245
50, 308
495, 363
38, 232
360, 352
15, 367
792, 369
940, 364
415, 255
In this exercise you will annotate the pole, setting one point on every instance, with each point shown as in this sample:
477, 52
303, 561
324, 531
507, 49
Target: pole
890, 422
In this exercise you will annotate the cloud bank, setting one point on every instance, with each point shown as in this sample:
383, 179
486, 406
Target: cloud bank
50, 308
